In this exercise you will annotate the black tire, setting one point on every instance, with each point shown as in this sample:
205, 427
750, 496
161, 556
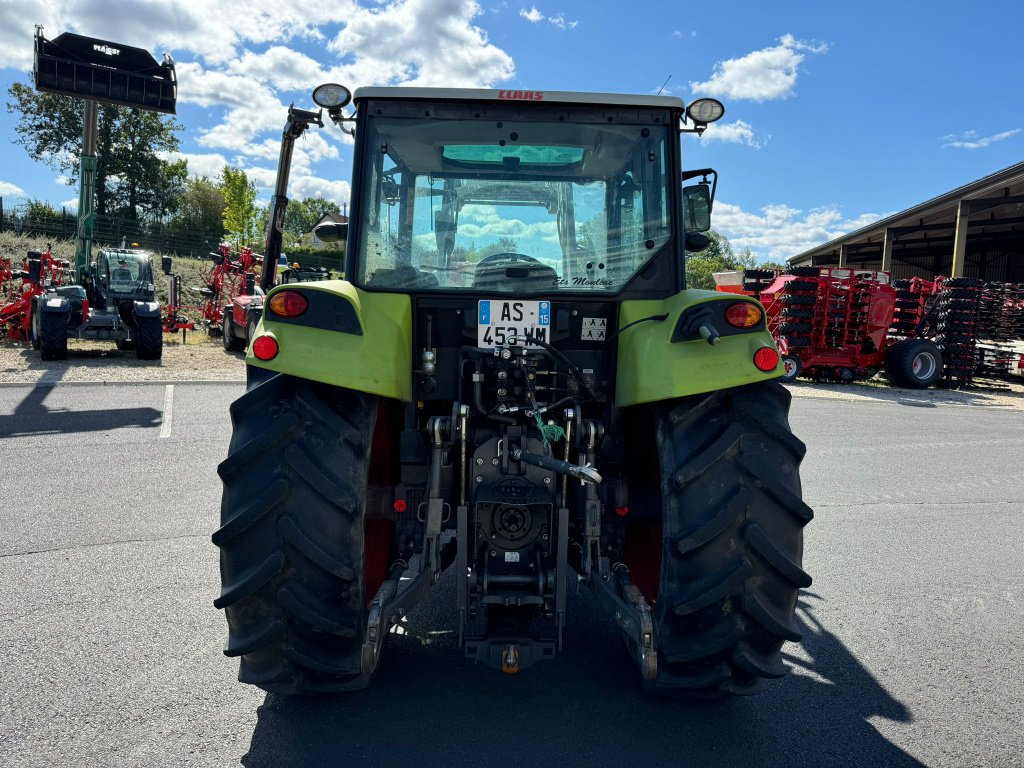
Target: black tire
53, 335
792, 313
227, 334
34, 332
291, 537
794, 328
250, 331
732, 545
150, 341
792, 366
913, 363
804, 271
799, 341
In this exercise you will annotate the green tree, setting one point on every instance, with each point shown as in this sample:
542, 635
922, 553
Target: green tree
200, 208
717, 257
133, 178
241, 217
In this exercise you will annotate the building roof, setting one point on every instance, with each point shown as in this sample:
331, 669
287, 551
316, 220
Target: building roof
996, 209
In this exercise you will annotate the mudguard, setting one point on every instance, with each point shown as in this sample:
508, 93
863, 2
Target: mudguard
347, 338
54, 304
657, 362
146, 308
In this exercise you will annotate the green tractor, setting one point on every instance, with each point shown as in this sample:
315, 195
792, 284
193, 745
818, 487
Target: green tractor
512, 380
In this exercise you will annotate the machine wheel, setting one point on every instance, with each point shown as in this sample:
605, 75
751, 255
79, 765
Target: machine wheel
34, 331
150, 342
292, 535
53, 335
250, 331
732, 540
227, 334
913, 363
792, 366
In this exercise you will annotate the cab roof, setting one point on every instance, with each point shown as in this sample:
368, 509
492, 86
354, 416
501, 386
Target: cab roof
518, 95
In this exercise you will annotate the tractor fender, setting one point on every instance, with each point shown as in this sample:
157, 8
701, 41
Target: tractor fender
53, 304
661, 359
346, 337
146, 308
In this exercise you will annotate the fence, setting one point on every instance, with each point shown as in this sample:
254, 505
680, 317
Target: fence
29, 219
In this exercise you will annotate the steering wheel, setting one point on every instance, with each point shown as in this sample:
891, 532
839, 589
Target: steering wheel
509, 256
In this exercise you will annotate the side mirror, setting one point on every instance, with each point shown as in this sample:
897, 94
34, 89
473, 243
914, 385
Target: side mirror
697, 242
697, 212
331, 232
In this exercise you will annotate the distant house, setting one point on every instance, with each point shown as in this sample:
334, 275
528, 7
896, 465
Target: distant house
315, 242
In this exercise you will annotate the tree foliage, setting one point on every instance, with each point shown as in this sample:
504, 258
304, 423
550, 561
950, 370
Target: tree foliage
133, 178
241, 216
200, 208
718, 257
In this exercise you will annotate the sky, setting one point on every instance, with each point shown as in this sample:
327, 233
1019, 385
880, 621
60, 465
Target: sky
837, 113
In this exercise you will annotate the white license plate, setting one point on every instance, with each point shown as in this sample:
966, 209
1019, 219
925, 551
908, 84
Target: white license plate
501, 322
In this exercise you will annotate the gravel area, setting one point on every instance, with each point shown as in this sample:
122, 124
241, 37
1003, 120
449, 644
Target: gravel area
93, 361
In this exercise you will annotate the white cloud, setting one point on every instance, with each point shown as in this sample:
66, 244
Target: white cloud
739, 132
970, 140
10, 190
780, 231
770, 73
419, 43
534, 16
208, 165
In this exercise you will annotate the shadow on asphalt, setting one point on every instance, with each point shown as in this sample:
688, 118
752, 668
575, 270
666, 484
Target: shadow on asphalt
32, 417
427, 706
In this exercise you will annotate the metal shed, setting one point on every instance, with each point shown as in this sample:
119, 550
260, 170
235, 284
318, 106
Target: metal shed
976, 230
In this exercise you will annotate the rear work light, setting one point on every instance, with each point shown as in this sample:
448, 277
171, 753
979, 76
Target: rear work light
743, 314
766, 359
265, 348
288, 304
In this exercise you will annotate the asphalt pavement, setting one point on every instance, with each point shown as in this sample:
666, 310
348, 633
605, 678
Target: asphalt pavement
110, 648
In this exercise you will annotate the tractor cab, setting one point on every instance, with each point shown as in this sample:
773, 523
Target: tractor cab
121, 275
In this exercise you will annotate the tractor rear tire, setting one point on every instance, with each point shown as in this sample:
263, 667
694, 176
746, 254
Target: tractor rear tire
292, 535
227, 334
150, 342
913, 363
732, 540
53, 335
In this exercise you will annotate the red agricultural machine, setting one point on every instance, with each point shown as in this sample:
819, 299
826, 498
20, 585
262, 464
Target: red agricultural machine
20, 285
843, 324
232, 274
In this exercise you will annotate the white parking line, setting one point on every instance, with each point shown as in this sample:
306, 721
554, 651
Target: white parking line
165, 424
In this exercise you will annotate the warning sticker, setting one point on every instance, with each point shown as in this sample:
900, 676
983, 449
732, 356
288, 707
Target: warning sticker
594, 328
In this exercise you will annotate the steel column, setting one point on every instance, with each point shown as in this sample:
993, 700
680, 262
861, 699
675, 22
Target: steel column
890, 236
963, 214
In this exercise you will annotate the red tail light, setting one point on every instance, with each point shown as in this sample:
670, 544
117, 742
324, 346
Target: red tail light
265, 348
766, 359
743, 314
288, 303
